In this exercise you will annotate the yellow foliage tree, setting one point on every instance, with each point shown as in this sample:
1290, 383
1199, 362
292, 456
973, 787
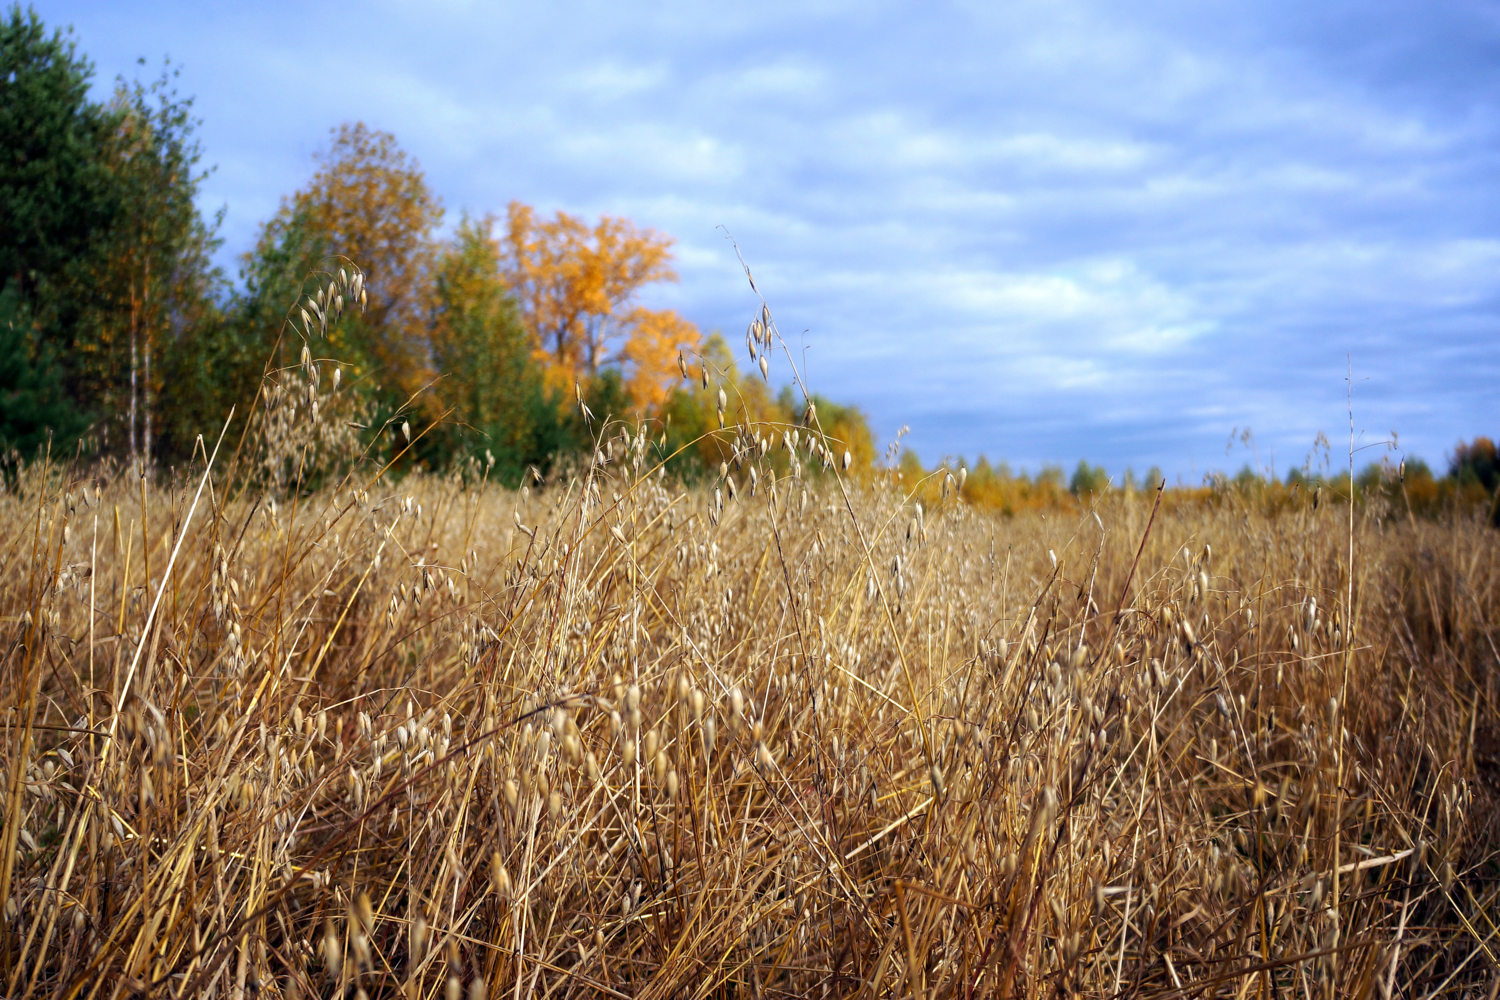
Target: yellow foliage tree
576, 287
649, 354
369, 202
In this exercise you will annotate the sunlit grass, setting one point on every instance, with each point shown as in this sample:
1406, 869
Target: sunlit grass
610, 736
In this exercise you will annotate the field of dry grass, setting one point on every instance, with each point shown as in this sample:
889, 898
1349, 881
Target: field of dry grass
607, 737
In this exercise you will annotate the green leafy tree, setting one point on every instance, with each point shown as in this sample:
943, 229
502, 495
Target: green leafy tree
1088, 480
1475, 470
159, 291
33, 405
100, 236
491, 382
55, 190
55, 194
223, 367
1475, 463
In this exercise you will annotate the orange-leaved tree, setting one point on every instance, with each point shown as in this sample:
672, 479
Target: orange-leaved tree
368, 201
576, 287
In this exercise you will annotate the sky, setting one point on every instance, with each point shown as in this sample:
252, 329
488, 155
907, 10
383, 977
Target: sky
1035, 231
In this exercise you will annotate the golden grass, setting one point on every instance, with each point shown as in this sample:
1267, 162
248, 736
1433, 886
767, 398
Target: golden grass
615, 738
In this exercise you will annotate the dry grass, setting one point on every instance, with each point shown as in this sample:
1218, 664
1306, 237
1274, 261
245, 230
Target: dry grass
392, 741
786, 735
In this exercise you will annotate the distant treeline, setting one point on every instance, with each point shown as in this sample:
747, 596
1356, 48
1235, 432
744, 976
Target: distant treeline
1395, 486
120, 338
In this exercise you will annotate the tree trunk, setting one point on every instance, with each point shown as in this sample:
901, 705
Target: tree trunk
146, 402
146, 381
134, 316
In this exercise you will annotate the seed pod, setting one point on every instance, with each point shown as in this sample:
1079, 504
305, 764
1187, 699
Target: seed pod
364, 913
333, 953
419, 937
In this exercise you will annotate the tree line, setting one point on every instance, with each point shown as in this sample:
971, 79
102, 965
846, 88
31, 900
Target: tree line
485, 343
494, 340
1394, 486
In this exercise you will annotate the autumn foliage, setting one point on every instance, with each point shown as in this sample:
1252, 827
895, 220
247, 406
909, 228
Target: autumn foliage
577, 284
487, 332
368, 201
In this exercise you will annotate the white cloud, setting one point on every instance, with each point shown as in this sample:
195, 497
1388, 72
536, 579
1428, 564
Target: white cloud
784, 79
613, 80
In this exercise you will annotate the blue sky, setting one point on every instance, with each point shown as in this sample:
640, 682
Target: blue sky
1041, 231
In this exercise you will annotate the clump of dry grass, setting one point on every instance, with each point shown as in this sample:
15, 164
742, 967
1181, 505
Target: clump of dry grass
769, 737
